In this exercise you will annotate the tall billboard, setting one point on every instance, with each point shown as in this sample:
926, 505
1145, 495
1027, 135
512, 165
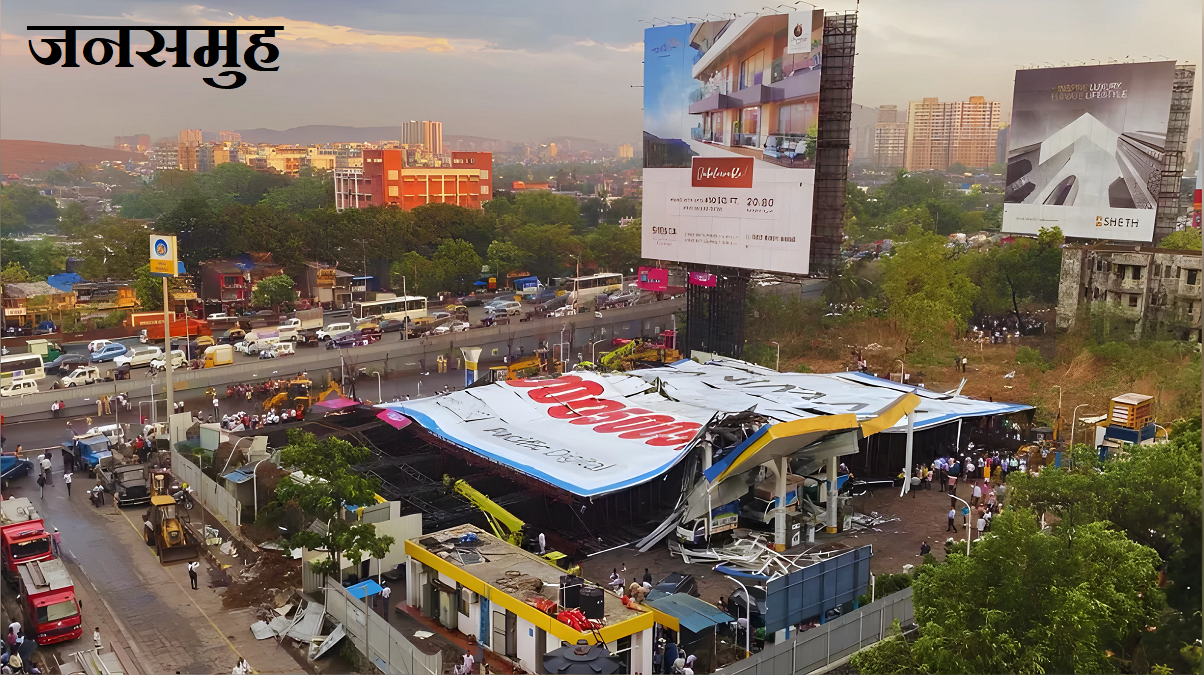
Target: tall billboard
731, 111
1085, 149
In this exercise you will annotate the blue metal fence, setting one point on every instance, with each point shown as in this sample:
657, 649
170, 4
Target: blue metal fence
810, 592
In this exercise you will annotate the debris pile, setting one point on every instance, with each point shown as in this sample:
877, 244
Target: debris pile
271, 576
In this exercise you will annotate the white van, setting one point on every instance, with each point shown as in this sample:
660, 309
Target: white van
21, 387
509, 308
138, 356
178, 360
256, 346
333, 331
287, 333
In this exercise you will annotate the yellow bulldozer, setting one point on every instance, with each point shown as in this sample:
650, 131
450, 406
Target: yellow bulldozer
174, 540
506, 526
299, 395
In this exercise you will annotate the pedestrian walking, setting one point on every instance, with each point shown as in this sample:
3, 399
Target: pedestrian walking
56, 540
385, 594
42, 487
952, 485
46, 470
964, 362
67, 480
915, 483
976, 495
981, 524
952, 521
150, 531
96, 637
192, 567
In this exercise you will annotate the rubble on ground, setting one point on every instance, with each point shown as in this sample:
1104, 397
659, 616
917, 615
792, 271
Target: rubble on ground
271, 580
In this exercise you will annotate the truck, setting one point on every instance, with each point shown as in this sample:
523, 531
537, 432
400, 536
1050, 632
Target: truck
88, 451
186, 326
219, 355
724, 518
23, 536
13, 466
144, 319
305, 319
128, 484
49, 350
52, 613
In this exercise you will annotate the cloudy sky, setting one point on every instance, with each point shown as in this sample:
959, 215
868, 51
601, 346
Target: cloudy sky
525, 70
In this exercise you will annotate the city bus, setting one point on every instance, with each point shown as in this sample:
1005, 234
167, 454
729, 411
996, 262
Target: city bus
586, 289
412, 306
27, 366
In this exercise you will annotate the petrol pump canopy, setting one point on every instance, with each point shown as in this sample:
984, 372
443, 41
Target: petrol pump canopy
592, 434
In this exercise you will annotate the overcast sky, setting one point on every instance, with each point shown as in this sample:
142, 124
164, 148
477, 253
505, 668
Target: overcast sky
525, 70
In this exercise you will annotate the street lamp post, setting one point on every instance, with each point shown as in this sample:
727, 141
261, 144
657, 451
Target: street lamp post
900, 362
747, 612
379, 396
777, 359
1074, 419
592, 345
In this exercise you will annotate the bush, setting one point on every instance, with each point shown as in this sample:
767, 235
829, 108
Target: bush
1030, 356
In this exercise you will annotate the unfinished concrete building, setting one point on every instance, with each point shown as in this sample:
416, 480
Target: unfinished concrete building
1154, 288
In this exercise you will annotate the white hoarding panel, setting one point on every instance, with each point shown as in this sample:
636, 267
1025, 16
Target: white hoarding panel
1085, 150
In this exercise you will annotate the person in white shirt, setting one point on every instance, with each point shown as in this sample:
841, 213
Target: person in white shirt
385, 593
543, 544
192, 573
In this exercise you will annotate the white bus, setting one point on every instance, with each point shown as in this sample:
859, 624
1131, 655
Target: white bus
412, 306
586, 289
22, 366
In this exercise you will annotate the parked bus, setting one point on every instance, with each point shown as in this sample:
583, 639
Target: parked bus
412, 306
589, 288
27, 366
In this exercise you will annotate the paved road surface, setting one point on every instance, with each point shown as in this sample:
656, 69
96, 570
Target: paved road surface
165, 625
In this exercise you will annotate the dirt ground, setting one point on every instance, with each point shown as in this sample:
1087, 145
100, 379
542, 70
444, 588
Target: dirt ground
271, 576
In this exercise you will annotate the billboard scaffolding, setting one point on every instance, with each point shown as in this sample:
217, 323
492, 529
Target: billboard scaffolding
832, 153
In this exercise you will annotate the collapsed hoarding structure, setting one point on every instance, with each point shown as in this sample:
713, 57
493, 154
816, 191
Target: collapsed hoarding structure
677, 439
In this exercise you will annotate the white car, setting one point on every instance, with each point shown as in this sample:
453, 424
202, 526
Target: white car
114, 432
97, 344
563, 311
509, 308
439, 316
178, 360
218, 316
22, 387
81, 376
138, 356
460, 326
333, 331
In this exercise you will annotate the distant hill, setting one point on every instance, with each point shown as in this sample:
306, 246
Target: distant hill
26, 157
326, 133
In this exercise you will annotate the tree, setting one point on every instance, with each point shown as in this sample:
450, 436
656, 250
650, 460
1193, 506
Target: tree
503, 257
926, 291
303, 194
1183, 240
1028, 600
148, 289
957, 167
458, 264
74, 219
1025, 270
41, 258
14, 273
116, 248
614, 248
329, 483
273, 292
544, 208
547, 247
416, 275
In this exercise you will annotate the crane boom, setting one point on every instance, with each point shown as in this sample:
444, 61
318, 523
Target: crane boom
505, 525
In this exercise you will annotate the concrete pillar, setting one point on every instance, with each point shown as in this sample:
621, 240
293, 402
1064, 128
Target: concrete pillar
779, 512
830, 514
907, 469
708, 454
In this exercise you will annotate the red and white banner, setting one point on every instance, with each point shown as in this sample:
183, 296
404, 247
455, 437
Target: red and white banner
579, 432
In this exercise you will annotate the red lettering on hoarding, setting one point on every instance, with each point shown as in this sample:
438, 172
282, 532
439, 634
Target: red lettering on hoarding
723, 172
577, 402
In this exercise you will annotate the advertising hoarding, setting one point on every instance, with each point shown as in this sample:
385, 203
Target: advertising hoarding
1085, 149
731, 110
163, 256
653, 279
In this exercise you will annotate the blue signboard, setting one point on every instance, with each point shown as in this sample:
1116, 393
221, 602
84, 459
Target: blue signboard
810, 592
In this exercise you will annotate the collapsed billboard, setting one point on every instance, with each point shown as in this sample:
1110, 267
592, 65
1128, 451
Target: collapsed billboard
731, 111
1085, 149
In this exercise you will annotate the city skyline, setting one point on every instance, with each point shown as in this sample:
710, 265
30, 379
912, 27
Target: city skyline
555, 71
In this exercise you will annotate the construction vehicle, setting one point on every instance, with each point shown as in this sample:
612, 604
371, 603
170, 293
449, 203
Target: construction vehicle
539, 363
174, 540
506, 526
298, 395
642, 353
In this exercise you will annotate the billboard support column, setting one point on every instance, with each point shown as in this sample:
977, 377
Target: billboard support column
472, 356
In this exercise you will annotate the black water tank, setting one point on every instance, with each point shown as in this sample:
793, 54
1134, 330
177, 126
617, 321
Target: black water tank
592, 603
570, 591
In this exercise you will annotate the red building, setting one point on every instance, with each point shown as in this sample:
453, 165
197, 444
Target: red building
385, 179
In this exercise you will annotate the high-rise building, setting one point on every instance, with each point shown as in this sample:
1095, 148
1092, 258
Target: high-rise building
958, 132
626, 151
552, 149
890, 137
428, 134
135, 143
166, 155
190, 137
229, 137
862, 123
1001, 144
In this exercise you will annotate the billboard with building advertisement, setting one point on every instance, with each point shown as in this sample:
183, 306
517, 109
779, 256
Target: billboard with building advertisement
730, 116
1085, 149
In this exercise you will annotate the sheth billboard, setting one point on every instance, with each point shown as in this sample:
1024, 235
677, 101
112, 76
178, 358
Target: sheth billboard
731, 110
1085, 149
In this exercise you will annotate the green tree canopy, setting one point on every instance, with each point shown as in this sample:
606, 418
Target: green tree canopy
329, 485
148, 289
927, 294
14, 273
273, 292
115, 248
1028, 600
1183, 240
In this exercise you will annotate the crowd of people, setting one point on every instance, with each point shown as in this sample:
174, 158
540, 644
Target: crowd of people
241, 421
982, 476
997, 329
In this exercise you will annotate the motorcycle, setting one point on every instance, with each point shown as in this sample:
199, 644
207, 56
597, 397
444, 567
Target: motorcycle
184, 498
